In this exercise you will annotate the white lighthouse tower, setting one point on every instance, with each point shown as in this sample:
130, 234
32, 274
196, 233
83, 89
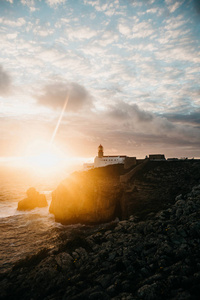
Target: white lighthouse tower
100, 151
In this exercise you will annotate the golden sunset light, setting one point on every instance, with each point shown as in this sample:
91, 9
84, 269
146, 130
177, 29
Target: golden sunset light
99, 149
44, 162
124, 75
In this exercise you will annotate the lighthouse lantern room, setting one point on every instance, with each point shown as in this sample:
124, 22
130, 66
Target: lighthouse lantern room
100, 151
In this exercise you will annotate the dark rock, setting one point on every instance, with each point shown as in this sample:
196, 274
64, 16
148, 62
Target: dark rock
33, 200
98, 296
111, 290
125, 285
87, 197
149, 292
154, 258
181, 295
102, 194
64, 261
104, 280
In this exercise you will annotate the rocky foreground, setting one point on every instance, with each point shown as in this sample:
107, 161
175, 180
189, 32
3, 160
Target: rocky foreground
158, 258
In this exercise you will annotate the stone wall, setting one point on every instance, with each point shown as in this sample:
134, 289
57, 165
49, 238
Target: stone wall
129, 162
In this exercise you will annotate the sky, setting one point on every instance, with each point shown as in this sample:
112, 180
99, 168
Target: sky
130, 69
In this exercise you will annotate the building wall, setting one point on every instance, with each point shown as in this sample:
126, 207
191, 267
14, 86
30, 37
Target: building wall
108, 160
156, 156
129, 162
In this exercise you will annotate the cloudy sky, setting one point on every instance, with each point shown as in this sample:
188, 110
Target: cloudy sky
131, 69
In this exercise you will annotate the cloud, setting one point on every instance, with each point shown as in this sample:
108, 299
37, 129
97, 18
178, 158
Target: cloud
127, 128
177, 53
192, 118
91, 2
52, 3
94, 50
137, 29
108, 37
17, 23
174, 6
141, 69
12, 36
5, 82
30, 4
124, 29
125, 111
43, 31
80, 33
130, 119
143, 29
175, 22
55, 94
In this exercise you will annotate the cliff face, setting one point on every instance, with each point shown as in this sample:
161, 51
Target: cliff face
142, 260
102, 194
151, 186
88, 197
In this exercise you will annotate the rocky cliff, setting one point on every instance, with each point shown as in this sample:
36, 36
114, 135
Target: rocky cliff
88, 197
151, 259
34, 199
153, 185
102, 194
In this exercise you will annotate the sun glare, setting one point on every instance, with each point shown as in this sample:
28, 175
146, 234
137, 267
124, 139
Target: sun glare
43, 158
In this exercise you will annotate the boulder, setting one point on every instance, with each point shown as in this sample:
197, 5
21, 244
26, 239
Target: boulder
34, 199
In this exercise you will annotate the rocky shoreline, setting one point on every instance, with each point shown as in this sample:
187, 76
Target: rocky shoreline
155, 258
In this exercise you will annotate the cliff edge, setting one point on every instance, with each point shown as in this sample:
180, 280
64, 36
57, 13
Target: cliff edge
102, 194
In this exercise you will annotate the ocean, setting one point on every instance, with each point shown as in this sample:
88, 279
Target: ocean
24, 233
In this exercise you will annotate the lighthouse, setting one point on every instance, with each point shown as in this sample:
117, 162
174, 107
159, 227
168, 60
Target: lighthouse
102, 160
100, 151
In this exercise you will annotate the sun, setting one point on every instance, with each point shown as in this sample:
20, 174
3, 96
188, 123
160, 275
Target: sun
44, 158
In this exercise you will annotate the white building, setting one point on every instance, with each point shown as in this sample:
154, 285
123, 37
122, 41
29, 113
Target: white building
102, 161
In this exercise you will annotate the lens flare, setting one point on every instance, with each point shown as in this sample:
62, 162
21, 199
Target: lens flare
59, 120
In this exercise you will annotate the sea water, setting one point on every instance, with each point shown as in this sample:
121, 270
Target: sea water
25, 233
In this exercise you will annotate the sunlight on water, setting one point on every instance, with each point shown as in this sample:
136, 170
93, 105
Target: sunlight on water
41, 172
26, 232
16, 180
